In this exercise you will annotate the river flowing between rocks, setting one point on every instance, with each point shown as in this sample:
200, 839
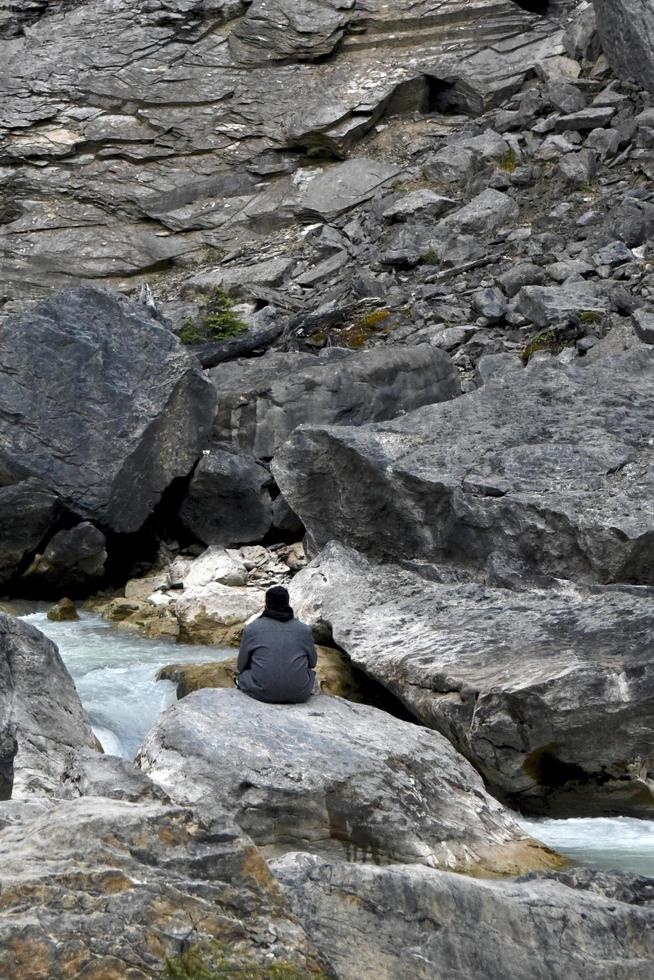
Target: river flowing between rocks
115, 675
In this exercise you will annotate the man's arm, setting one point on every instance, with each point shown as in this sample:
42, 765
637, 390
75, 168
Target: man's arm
244, 653
311, 650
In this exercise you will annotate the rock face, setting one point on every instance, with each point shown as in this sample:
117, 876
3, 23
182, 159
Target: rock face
260, 402
125, 883
550, 693
119, 410
608, 922
532, 468
338, 778
72, 561
626, 29
161, 202
38, 508
40, 712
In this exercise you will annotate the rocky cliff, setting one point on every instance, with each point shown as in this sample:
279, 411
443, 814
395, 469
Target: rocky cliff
358, 297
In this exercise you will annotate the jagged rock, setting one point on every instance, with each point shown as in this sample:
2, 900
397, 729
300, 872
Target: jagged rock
545, 305
581, 39
64, 611
228, 501
486, 212
578, 168
548, 692
509, 469
418, 204
456, 162
415, 922
124, 885
644, 325
261, 402
39, 710
216, 565
626, 30
215, 613
632, 221
73, 560
522, 274
339, 778
593, 117
119, 411
39, 509
490, 303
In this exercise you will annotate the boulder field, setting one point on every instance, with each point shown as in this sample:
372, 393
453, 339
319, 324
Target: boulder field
355, 297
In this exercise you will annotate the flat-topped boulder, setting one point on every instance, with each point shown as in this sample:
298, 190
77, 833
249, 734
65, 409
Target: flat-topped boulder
336, 778
549, 467
415, 922
261, 401
549, 692
101, 403
41, 716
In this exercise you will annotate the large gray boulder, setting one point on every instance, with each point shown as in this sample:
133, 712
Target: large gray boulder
413, 922
125, 883
28, 511
100, 402
72, 562
549, 692
535, 467
228, 500
626, 30
40, 713
261, 401
337, 778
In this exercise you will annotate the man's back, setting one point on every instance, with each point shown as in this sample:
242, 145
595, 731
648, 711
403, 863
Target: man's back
276, 661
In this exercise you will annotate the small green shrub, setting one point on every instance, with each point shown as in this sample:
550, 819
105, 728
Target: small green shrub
508, 161
430, 257
590, 316
547, 341
218, 321
214, 961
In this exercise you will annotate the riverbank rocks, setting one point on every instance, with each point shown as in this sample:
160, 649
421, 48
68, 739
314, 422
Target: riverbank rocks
215, 614
415, 922
260, 402
534, 469
626, 30
123, 884
41, 717
336, 778
120, 408
549, 692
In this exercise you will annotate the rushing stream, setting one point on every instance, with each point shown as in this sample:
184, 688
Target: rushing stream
115, 675
114, 672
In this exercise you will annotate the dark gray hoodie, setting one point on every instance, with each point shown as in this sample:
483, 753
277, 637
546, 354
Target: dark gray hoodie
276, 662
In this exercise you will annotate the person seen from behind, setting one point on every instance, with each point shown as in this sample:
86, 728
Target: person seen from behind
277, 658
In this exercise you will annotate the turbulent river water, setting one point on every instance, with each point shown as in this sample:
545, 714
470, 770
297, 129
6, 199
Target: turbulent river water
115, 675
114, 672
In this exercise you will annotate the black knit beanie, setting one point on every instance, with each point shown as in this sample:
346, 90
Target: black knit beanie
277, 597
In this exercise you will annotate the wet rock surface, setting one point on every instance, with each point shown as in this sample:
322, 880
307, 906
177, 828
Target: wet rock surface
337, 778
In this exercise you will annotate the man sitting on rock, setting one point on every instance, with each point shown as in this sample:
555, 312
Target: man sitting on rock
277, 659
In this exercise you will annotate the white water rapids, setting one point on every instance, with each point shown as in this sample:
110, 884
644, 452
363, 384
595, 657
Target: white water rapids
115, 671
